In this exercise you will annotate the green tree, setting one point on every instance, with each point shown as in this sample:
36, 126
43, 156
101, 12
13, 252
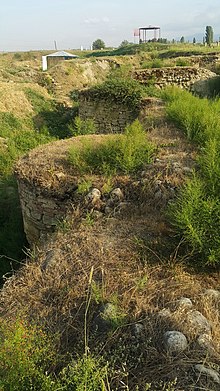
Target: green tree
124, 43
182, 39
98, 44
194, 40
209, 35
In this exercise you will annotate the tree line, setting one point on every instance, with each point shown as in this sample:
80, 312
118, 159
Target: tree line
208, 39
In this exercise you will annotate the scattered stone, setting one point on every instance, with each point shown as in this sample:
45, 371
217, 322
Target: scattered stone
51, 259
198, 322
213, 294
208, 372
60, 176
103, 321
184, 303
116, 195
205, 342
175, 342
187, 170
137, 330
93, 196
164, 313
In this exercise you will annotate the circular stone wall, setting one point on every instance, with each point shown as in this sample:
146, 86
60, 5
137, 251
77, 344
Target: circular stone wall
47, 186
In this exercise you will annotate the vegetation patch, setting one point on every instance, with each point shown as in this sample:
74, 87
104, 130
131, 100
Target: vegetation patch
124, 153
125, 91
196, 212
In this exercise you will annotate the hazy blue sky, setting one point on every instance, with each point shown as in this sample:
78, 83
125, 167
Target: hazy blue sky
35, 24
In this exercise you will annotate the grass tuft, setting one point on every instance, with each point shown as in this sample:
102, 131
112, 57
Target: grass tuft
119, 153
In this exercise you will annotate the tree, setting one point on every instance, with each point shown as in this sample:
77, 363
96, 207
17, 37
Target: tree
209, 35
182, 40
98, 44
124, 43
194, 40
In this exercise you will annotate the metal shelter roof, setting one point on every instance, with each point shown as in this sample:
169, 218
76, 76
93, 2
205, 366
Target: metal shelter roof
62, 53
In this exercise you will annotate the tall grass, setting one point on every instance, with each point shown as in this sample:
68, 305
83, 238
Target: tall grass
119, 153
198, 118
196, 212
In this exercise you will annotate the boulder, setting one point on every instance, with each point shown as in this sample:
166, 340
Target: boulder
175, 342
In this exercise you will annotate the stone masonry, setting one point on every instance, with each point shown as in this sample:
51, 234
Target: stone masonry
40, 213
112, 117
183, 77
108, 116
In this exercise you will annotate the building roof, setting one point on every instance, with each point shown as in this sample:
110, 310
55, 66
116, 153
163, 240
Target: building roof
62, 53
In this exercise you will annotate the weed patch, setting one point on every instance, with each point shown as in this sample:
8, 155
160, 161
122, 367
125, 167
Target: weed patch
122, 153
196, 212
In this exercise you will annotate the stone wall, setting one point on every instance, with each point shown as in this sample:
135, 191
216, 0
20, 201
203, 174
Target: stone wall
112, 117
183, 77
108, 116
41, 214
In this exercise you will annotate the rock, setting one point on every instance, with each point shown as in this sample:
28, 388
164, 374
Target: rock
175, 342
205, 342
116, 195
198, 322
213, 294
51, 259
208, 372
184, 303
93, 196
187, 170
104, 320
137, 330
164, 313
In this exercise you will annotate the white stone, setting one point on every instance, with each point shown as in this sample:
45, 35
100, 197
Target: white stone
117, 194
175, 342
184, 303
93, 196
212, 294
205, 342
198, 322
208, 372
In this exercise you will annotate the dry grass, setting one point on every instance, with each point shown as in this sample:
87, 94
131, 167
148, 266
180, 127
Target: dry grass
51, 289
14, 100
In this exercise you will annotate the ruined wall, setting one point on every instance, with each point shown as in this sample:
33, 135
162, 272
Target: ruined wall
108, 116
112, 117
46, 185
183, 77
41, 214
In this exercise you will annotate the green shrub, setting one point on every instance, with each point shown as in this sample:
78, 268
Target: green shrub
82, 127
198, 118
197, 216
122, 153
59, 121
196, 212
182, 62
26, 355
87, 373
121, 90
209, 161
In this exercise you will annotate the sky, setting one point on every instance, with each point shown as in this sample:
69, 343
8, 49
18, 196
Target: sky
36, 24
